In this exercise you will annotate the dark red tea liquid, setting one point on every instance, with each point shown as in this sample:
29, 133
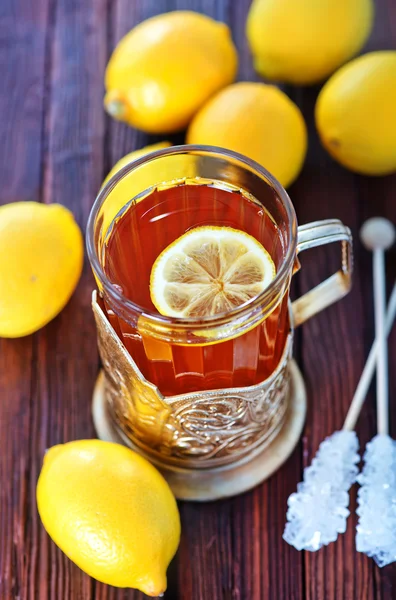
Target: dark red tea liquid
139, 234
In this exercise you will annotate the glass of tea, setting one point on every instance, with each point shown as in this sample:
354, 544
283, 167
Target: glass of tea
193, 249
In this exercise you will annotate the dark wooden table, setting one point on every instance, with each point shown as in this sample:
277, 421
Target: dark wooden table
56, 146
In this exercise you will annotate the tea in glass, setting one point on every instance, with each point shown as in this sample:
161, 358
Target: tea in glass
140, 232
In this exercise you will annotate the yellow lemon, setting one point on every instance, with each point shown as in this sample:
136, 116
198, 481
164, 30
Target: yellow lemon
304, 41
134, 155
111, 512
41, 259
356, 114
163, 70
209, 270
257, 120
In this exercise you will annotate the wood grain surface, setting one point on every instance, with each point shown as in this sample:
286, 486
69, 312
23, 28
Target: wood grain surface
56, 146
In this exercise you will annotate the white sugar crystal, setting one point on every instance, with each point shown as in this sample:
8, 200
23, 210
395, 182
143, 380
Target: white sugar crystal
376, 530
318, 511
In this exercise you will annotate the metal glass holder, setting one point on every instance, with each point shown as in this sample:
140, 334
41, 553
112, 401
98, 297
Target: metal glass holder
208, 444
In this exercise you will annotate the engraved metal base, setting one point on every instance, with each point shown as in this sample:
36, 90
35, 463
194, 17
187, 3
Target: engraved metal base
229, 480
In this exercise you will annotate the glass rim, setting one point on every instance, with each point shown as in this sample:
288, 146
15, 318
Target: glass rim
197, 322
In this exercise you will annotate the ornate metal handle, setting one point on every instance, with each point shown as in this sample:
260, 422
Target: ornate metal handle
338, 285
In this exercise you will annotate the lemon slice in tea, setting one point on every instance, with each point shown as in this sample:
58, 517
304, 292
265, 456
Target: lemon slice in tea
209, 270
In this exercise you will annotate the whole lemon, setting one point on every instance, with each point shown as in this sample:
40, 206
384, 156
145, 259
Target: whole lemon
41, 259
163, 70
356, 114
111, 512
304, 41
257, 120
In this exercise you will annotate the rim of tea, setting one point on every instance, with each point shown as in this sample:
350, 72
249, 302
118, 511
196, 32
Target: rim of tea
220, 318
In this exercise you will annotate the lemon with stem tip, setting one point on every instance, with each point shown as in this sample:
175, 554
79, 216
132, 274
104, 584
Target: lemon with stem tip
165, 68
111, 512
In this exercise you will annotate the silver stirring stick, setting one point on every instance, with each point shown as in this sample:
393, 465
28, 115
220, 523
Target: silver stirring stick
376, 530
318, 512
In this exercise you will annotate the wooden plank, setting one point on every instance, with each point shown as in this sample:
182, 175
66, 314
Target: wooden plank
23, 34
24, 38
15, 477
66, 360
